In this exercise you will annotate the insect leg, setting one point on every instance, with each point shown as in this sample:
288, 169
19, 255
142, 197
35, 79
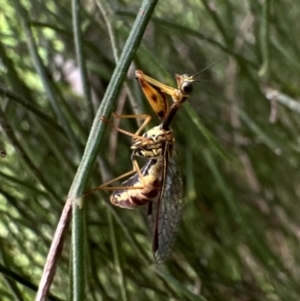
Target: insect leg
135, 135
135, 169
147, 118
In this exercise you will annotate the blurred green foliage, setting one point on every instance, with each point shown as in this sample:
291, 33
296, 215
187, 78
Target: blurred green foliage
237, 138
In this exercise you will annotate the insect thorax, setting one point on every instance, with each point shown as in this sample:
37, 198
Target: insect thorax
151, 144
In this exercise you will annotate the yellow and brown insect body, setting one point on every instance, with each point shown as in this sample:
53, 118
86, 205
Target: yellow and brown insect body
159, 183
162, 179
153, 173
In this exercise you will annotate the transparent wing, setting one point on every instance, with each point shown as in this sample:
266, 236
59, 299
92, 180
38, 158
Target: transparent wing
165, 215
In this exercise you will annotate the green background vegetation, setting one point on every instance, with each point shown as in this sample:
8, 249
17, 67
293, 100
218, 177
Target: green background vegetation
236, 138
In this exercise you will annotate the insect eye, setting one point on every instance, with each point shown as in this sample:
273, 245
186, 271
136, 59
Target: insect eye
187, 87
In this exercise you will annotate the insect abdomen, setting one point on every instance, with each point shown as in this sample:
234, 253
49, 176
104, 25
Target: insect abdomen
131, 198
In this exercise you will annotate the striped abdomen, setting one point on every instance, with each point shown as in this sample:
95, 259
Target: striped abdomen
153, 180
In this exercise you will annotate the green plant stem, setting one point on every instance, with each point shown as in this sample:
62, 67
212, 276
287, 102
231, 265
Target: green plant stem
94, 139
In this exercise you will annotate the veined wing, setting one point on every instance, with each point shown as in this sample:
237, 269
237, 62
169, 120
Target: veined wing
164, 216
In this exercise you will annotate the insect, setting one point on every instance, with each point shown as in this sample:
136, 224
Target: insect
159, 183
164, 215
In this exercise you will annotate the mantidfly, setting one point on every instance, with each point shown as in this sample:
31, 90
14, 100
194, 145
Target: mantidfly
158, 183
